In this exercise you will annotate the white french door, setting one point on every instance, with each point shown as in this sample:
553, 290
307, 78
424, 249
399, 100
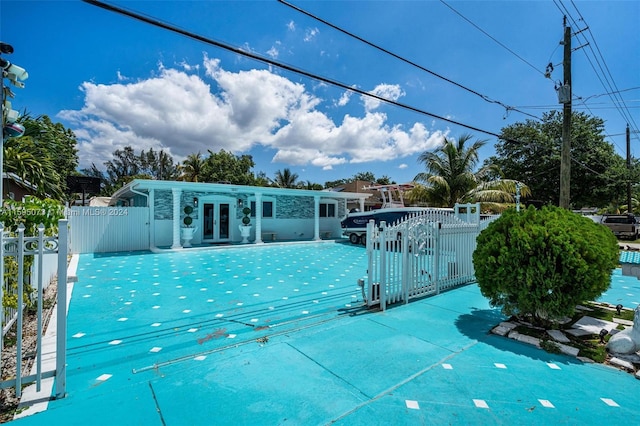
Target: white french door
216, 221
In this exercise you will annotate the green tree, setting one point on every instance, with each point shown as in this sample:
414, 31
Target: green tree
286, 179
335, 183
54, 141
192, 168
223, 166
542, 263
126, 166
530, 152
364, 176
311, 186
158, 165
43, 156
24, 158
450, 176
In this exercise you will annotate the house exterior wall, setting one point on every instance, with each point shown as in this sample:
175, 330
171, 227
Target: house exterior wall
295, 214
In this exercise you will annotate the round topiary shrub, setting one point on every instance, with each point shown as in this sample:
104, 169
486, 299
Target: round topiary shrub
542, 263
246, 220
188, 220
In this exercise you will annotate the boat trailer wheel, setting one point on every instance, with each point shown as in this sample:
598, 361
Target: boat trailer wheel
354, 238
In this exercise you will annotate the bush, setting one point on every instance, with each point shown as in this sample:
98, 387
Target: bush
544, 262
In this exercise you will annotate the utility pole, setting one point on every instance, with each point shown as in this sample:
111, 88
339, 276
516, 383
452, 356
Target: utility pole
565, 158
629, 210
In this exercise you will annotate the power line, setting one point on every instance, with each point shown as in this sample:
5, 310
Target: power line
172, 28
604, 74
388, 52
491, 37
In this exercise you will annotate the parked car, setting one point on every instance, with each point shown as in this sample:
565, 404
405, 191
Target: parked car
622, 225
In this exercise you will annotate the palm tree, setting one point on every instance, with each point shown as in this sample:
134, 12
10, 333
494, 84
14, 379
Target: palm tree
286, 179
23, 158
192, 168
450, 177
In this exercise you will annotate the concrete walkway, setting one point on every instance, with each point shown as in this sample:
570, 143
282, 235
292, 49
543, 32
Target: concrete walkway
429, 362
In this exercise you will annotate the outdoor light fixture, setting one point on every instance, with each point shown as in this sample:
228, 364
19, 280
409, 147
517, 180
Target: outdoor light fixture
195, 201
239, 202
6, 48
618, 308
13, 130
603, 333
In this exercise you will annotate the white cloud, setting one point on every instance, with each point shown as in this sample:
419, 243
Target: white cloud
344, 99
237, 111
403, 166
273, 52
392, 92
291, 26
310, 34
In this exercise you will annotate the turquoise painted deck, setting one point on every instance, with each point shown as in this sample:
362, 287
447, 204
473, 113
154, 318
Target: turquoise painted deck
279, 336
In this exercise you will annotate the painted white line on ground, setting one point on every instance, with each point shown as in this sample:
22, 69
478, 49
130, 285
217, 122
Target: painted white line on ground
546, 403
412, 404
610, 402
480, 403
104, 377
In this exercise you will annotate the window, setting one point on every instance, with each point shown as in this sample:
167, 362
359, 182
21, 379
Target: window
327, 210
267, 209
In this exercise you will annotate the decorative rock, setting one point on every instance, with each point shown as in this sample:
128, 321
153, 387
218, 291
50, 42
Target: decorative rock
584, 308
503, 328
594, 325
568, 350
621, 363
508, 324
628, 340
524, 338
558, 336
622, 321
577, 332
500, 330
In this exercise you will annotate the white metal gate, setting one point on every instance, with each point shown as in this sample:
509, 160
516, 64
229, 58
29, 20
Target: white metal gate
40, 247
422, 255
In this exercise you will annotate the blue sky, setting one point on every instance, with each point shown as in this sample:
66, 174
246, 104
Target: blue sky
116, 81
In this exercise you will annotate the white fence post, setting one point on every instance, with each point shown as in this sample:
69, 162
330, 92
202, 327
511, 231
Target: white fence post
20, 255
436, 254
40, 261
61, 338
382, 289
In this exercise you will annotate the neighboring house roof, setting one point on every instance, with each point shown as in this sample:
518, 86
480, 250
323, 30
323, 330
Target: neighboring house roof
134, 187
361, 187
17, 179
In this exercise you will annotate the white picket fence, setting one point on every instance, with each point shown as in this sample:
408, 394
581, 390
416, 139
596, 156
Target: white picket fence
108, 229
422, 255
46, 250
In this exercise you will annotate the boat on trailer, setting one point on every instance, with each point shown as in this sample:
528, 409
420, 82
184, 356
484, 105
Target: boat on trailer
393, 210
